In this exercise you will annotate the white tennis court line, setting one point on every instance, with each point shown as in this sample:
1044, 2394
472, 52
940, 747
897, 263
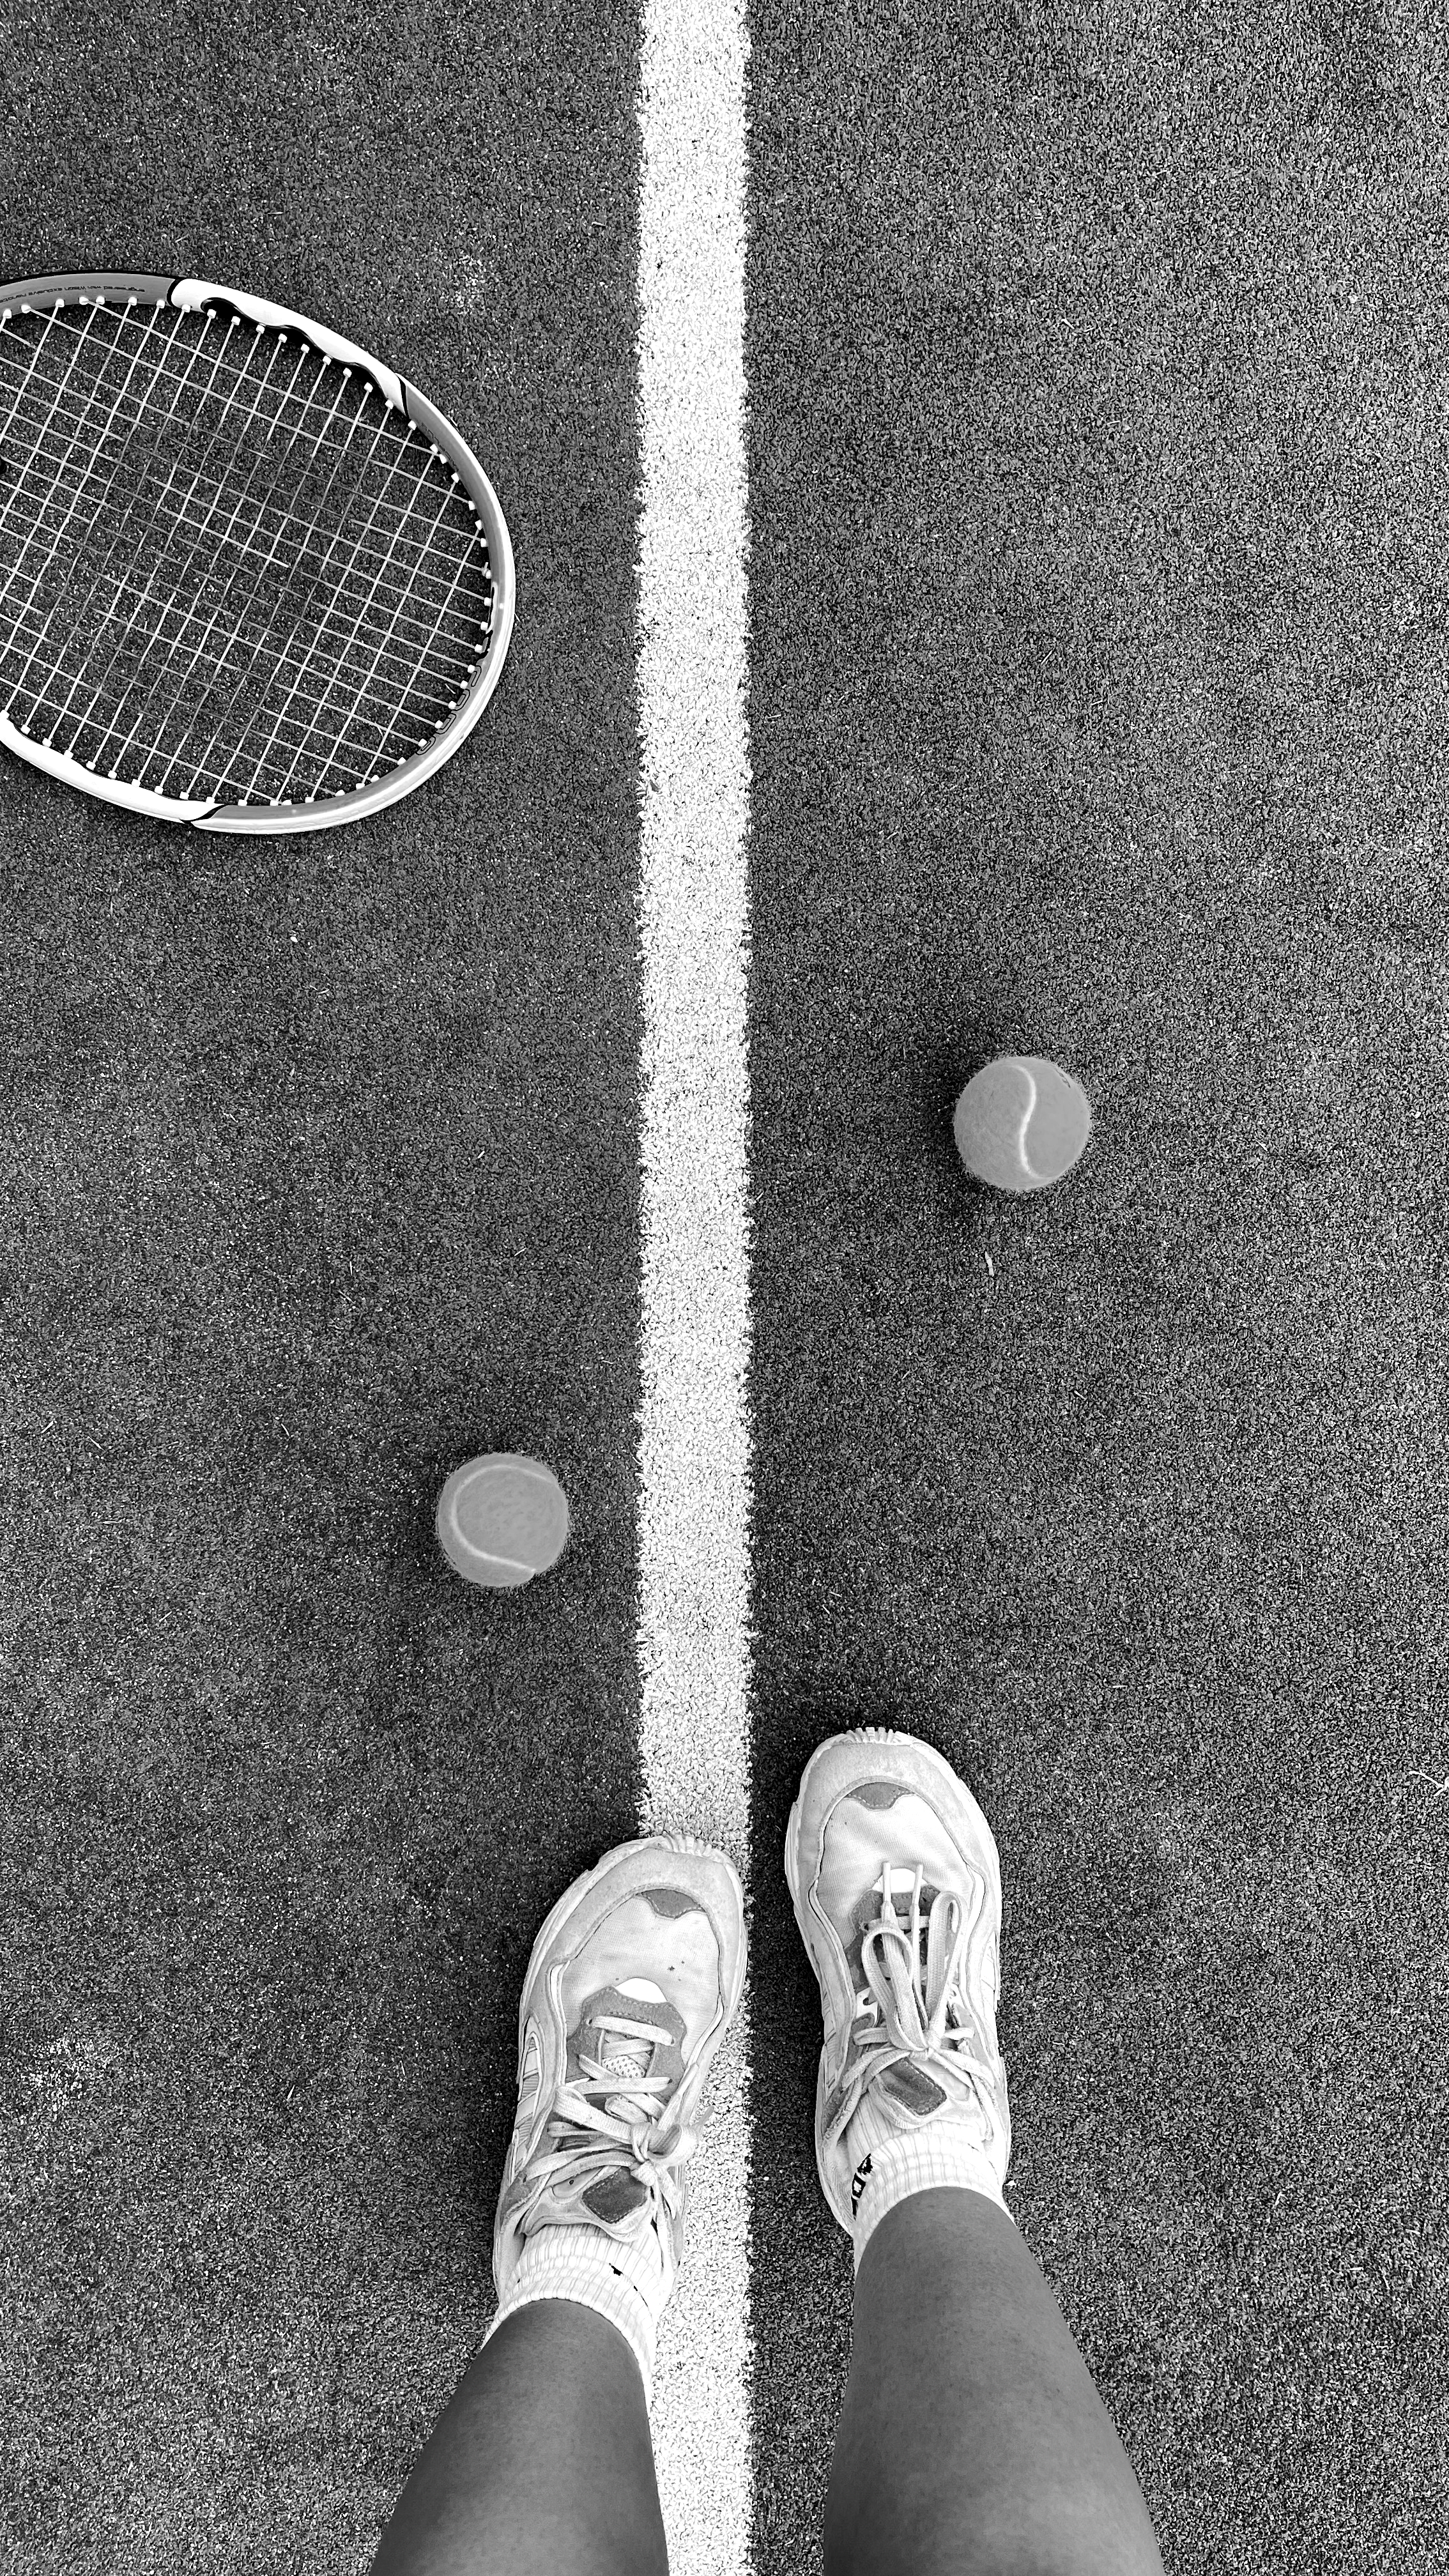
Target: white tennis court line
694, 1644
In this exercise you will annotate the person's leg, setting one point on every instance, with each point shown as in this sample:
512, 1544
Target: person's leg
541, 2463
972, 2441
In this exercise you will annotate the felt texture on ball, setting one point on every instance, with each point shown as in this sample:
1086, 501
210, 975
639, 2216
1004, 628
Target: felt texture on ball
502, 1519
1021, 1123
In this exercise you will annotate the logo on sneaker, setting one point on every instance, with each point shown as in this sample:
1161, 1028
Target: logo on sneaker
862, 2177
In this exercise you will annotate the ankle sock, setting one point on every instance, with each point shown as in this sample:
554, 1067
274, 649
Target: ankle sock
943, 2152
573, 2263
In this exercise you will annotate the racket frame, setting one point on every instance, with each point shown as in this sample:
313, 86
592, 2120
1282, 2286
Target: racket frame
190, 294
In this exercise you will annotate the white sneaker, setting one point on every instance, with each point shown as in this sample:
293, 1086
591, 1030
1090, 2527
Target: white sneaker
896, 1883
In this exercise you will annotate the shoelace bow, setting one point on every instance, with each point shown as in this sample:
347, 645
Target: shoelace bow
890, 1954
589, 2136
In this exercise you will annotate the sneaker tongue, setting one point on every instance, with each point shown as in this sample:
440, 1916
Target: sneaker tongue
623, 2055
894, 1900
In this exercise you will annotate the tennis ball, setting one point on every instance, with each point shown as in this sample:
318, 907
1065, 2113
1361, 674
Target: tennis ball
502, 1519
1021, 1123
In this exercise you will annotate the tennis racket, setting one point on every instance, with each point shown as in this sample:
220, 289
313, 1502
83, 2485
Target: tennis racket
249, 578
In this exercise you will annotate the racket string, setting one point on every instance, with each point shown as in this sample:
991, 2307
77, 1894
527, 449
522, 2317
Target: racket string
128, 546
405, 611
185, 573
237, 380
329, 414
356, 554
59, 389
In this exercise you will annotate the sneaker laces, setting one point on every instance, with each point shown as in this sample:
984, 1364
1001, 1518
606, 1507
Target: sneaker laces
591, 2139
890, 1954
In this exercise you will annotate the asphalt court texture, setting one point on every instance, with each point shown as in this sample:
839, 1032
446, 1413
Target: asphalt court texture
1096, 448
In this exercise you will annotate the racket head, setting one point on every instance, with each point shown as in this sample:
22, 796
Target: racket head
64, 710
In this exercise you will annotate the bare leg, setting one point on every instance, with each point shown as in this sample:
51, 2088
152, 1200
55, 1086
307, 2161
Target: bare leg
541, 2463
972, 2441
